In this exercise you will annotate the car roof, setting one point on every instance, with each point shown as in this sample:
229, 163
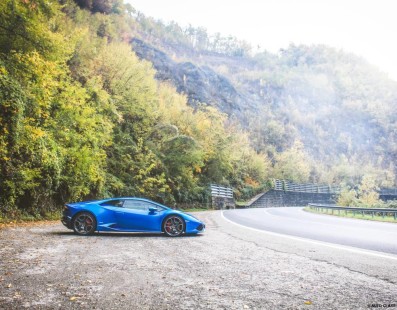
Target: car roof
132, 198
117, 198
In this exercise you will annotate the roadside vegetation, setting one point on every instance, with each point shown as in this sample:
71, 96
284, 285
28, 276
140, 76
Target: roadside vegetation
363, 196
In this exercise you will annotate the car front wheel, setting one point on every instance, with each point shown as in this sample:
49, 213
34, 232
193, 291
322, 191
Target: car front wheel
174, 226
84, 223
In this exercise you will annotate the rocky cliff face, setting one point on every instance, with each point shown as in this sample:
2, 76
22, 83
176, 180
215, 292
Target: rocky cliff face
201, 84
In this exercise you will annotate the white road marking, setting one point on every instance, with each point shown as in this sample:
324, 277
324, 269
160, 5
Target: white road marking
322, 243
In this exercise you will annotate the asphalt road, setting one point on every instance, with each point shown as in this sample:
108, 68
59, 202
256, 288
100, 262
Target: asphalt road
375, 236
46, 266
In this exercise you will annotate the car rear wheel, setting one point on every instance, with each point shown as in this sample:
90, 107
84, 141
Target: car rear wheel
173, 226
84, 223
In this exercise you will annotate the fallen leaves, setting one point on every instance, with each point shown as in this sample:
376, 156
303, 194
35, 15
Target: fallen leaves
13, 224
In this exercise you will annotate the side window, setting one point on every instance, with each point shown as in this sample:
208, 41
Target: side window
140, 205
113, 203
136, 205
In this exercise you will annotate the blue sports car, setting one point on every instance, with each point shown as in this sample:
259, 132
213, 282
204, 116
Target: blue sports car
128, 214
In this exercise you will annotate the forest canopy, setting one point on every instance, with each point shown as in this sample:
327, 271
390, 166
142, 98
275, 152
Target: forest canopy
82, 117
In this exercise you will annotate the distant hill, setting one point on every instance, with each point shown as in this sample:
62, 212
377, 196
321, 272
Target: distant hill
339, 106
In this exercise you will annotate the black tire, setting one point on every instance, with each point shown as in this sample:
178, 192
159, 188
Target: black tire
174, 226
84, 223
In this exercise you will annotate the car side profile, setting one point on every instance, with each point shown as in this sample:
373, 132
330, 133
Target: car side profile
128, 214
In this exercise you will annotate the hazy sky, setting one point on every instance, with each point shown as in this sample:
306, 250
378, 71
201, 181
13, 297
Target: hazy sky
367, 28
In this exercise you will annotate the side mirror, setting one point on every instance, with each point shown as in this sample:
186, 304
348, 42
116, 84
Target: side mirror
152, 209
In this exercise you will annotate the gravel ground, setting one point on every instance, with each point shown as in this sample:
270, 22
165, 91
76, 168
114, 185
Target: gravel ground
48, 267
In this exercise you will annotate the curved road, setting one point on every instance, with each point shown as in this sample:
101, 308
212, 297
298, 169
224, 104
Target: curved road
294, 221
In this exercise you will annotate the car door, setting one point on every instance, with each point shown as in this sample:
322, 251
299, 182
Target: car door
110, 212
136, 216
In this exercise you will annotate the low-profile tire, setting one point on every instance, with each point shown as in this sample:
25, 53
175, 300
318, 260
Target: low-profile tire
84, 223
174, 226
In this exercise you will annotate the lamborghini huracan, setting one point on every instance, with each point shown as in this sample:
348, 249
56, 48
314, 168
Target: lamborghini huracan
128, 214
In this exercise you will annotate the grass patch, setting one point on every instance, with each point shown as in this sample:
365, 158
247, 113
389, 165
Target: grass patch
241, 204
196, 210
357, 215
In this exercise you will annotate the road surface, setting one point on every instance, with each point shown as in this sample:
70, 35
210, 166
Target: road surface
230, 266
369, 235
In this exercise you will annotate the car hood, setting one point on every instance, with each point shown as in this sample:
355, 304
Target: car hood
187, 215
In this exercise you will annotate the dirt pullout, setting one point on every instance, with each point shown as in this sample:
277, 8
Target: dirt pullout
48, 267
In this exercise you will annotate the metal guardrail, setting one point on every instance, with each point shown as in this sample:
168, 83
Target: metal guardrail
388, 191
372, 211
220, 191
288, 186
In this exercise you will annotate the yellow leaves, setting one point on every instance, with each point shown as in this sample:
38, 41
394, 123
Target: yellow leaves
347, 197
34, 132
251, 182
308, 302
37, 133
3, 70
292, 164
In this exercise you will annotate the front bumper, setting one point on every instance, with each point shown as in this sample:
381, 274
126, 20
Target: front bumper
67, 221
201, 228
194, 227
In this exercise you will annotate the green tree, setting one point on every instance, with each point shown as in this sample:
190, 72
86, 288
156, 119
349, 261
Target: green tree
347, 197
292, 164
368, 191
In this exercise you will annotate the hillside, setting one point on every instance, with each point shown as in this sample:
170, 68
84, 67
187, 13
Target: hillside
82, 117
342, 109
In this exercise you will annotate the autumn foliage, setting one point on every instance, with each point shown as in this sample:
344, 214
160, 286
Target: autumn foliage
82, 117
